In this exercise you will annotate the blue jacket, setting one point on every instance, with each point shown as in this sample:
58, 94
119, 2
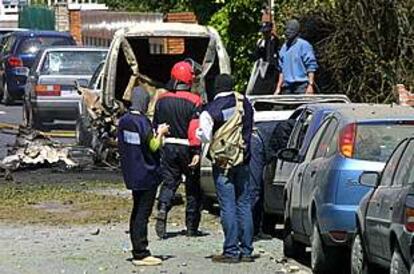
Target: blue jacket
139, 165
223, 107
297, 61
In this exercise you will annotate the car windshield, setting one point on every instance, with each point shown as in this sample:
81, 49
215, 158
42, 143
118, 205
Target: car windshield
32, 45
72, 62
377, 142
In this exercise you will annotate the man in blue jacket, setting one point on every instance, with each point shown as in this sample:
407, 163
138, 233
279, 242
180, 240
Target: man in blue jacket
140, 169
232, 185
297, 63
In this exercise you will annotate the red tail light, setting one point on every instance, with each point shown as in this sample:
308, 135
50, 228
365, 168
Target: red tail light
47, 90
15, 61
347, 140
409, 213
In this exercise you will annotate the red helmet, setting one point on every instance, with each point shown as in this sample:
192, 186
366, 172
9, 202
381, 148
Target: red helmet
183, 72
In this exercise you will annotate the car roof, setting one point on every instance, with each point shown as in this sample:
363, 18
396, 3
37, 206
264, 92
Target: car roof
165, 30
35, 33
369, 112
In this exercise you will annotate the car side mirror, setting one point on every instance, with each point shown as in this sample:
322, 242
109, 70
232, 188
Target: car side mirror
81, 83
289, 155
369, 178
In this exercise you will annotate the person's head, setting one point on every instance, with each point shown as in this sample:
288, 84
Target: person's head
182, 75
140, 100
223, 83
266, 29
292, 29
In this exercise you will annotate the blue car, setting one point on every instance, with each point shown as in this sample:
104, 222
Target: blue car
17, 55
324, 190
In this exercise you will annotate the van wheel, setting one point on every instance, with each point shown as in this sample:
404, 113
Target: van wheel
397, 263
83, 135
7, 100
292, 248
359, 264
322, 257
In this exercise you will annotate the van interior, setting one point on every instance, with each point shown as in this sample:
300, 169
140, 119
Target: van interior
156, 56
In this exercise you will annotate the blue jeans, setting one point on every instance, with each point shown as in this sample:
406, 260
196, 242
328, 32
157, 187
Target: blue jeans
233, 192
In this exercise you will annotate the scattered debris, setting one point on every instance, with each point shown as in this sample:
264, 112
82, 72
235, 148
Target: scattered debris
96, 232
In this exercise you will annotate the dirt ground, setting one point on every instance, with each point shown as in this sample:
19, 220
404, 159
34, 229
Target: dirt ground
70, 222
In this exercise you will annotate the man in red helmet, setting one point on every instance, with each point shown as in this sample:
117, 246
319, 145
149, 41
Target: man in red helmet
180, 155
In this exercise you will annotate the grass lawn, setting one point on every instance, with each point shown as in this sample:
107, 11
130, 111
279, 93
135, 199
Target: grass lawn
64, 204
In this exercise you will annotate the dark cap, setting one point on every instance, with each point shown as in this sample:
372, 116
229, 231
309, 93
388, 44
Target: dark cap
266, 26
223, 83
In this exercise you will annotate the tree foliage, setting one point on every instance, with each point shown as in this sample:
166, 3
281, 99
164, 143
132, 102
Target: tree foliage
364, 47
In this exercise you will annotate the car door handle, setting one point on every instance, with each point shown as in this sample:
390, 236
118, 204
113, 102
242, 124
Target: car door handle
391, 207
313, 173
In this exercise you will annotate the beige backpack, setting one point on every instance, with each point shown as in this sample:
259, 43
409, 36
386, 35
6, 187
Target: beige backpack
227, 147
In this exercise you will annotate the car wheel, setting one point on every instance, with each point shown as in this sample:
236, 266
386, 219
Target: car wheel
359, 264
322, 257
83, 135
398, 265
7, 100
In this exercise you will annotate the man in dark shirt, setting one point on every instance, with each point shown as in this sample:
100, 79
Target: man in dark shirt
232, 185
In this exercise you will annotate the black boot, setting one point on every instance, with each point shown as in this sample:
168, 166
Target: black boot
161, 223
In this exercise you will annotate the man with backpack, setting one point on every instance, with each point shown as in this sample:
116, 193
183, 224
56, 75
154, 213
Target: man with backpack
226, 123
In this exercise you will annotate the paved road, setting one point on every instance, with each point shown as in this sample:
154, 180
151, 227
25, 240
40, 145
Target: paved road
9, 114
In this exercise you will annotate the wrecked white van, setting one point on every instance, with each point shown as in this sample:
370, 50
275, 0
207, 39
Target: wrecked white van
144, 55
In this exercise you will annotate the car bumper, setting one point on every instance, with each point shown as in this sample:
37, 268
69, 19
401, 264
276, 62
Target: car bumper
405, 242
57, 111
207, 182
337, 223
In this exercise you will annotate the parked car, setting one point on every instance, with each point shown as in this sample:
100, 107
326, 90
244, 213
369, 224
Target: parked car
309, 118
17, 57
140, 55
270, 110
51, 98
323, 191
385, 223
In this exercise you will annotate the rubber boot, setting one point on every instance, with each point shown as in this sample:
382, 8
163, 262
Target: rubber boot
161, 223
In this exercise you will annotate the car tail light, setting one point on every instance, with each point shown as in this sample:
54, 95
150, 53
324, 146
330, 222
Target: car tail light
15, 61
347, 140
409, 213
47, 90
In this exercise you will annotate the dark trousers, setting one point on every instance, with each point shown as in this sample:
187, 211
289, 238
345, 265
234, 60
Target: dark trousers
257, 165
174, 163
295, 88
233, 192
138, 226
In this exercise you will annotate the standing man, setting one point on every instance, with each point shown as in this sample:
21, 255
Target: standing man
180, 155
297, 63
227, 125
266, 57
140, 168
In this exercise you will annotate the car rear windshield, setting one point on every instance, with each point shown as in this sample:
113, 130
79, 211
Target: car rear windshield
72, 62
377, 142
33, 44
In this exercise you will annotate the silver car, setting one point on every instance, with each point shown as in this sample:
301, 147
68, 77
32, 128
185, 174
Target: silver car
51, 98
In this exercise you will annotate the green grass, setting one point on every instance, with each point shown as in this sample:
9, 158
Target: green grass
63, 204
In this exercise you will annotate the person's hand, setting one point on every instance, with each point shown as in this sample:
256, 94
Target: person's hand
310, 90
195, 161
163, 129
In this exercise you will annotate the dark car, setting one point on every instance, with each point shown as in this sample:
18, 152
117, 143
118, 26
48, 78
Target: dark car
323, 192
17, 56
385, 223
51, 98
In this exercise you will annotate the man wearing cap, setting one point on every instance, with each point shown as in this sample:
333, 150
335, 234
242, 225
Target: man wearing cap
266, 54
297, 63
